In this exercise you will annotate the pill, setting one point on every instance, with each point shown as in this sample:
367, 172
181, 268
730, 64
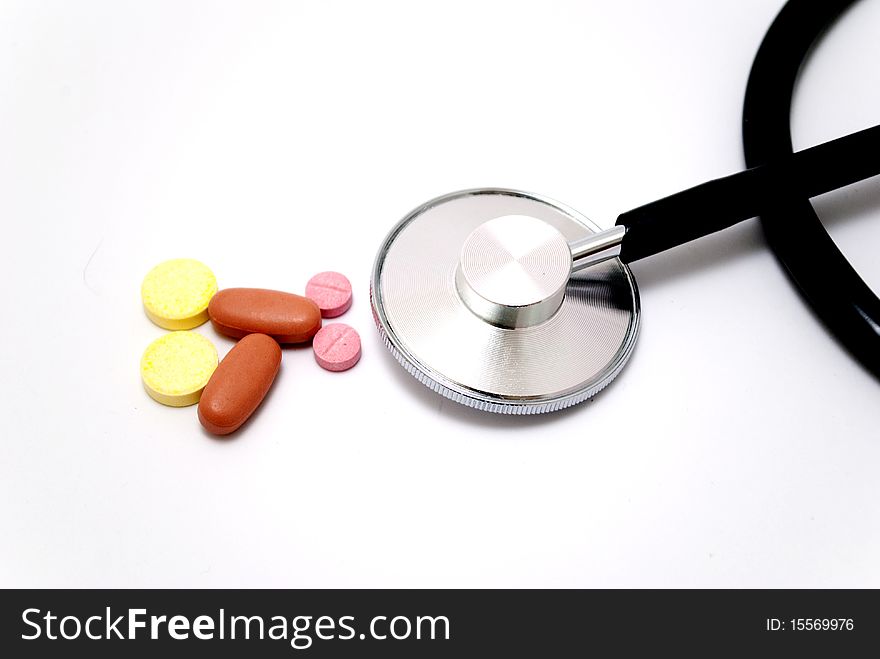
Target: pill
286, 317
176, 367
176, 293
337, 347
239, 384
331, 291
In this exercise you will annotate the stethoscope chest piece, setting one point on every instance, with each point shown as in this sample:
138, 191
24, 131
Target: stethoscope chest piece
475, 295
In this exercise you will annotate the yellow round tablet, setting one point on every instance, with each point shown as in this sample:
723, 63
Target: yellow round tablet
176, 293
176, 367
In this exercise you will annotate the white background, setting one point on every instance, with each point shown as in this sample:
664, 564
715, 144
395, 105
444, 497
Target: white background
739, 447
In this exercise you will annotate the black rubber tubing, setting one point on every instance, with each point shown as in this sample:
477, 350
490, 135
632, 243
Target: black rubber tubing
826, 280
720, 203
778, 186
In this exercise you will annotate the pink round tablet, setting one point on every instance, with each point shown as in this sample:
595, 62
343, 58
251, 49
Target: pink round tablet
337, 347
331, 291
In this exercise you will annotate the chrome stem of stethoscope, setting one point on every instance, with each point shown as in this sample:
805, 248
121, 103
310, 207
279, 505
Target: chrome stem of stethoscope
596, 248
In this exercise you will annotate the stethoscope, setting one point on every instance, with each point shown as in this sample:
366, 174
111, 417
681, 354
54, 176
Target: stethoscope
511, 302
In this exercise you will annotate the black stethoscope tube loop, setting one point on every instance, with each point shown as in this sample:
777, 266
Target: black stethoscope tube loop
794, 232
718, 204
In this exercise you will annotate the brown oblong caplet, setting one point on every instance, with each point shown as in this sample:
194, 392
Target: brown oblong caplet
239, 384
286, 317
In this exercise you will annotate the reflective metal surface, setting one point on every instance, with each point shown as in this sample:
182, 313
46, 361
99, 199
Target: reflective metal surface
456, 352
513, 271
596, 248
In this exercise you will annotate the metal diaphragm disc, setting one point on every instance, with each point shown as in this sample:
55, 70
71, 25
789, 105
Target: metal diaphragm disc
452, 350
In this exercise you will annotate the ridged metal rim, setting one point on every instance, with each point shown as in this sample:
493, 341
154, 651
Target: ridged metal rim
439, 383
